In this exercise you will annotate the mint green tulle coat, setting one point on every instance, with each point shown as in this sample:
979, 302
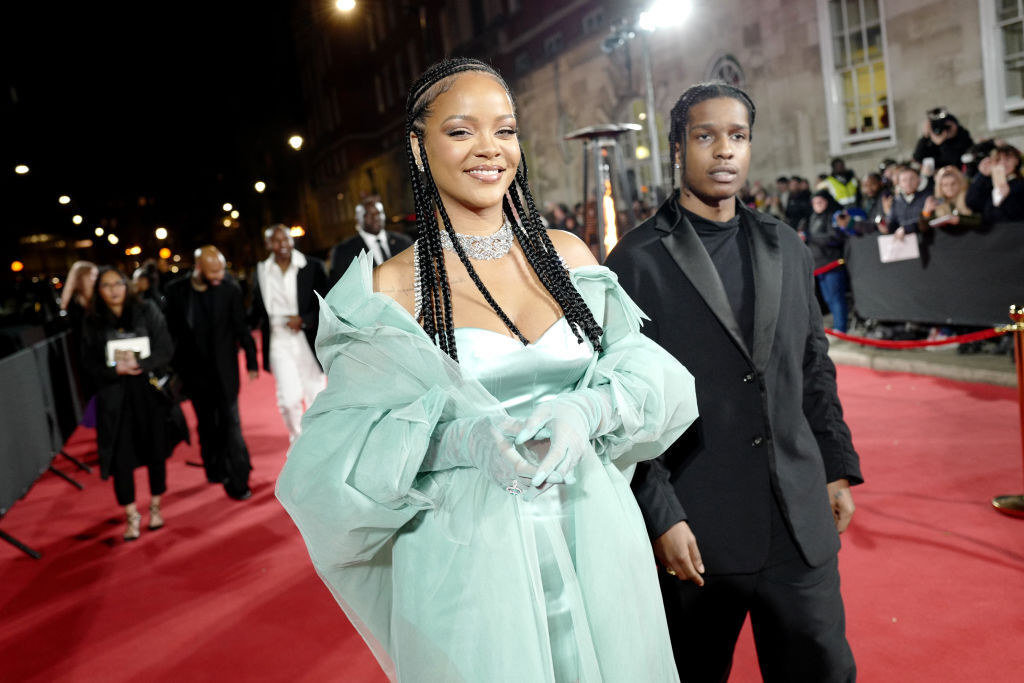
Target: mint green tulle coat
440, 571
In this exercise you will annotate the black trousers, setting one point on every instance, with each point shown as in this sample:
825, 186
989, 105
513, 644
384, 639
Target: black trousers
221, 446
134, 448
796, 612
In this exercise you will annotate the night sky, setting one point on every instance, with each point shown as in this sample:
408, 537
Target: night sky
183, 103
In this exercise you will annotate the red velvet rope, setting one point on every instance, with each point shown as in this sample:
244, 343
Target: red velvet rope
920, 343
829, 266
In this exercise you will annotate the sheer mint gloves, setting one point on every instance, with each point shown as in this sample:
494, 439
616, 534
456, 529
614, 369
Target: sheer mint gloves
486, 443
570, 422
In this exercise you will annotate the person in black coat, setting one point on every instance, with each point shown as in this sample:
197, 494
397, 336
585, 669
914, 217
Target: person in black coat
131, 428
370, 236
744, 508
286, 307
997, 191
206, 318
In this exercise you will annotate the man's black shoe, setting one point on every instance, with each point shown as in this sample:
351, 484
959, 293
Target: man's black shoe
244, 495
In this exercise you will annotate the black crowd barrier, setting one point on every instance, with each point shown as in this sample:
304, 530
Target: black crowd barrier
963, 277
39, 409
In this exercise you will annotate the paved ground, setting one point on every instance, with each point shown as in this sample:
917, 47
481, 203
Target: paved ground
940, 361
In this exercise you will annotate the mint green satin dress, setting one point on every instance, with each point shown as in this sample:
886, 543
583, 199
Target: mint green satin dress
447, 576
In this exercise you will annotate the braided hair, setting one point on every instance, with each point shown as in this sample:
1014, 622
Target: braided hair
518, 207
695, 94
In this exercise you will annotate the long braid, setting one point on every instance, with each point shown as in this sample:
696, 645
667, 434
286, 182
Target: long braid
529, 231
695, 94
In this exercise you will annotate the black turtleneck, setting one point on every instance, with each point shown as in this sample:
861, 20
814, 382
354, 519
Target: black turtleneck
727, 245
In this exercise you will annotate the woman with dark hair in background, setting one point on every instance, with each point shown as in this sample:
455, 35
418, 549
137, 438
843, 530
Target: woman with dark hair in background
146, 283
463, 482
997, 191
131, 428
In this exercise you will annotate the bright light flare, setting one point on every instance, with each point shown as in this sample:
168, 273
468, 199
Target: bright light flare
295, 142
161, 233
345, 5
260, 186
21, 169
611, 232
664, 14
98, 232
642, 152
297, 231
226, 222
227, 206
165, 253
235, 214
17, 266
64, 199
77, 219
112, 238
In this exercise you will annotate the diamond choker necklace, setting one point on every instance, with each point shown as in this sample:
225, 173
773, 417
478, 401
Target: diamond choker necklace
482, 247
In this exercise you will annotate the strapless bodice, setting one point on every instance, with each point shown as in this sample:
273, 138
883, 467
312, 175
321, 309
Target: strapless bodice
520, 375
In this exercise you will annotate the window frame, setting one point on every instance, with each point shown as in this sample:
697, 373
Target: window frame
998, 115
839, 141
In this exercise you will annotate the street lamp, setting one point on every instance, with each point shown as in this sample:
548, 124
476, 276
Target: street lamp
64, 199
98, 231
260, 186
161, 233
345, 5
659, 14
112, 238
227, 206
77, 219
21, 169
295, 142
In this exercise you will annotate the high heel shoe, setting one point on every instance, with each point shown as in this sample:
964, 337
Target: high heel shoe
131, 529
156, 520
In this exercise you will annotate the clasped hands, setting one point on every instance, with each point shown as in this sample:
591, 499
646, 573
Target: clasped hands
539, 452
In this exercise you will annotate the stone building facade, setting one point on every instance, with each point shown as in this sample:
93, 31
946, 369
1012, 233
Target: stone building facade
862, 97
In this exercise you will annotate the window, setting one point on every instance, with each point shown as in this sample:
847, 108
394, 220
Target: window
522, 62
593, 21
854, 65
1002, 47
553, 44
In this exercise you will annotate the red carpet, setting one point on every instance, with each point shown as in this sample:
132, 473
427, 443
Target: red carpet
933, 578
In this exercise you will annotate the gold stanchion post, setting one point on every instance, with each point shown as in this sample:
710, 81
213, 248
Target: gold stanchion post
1013, 505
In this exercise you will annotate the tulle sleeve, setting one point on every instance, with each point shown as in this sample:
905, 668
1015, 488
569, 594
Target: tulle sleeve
651, 391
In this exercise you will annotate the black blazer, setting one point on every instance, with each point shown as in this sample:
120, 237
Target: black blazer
343, 253
770, 418
310, 281
195, 359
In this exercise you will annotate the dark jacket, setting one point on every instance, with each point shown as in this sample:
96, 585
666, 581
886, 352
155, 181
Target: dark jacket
141, 319
798, 210
979, 200
946, 154
906, 213
205, 350
343, 253
825, 242
310, 281
770, 418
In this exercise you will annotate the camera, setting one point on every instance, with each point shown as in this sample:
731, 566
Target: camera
939, 119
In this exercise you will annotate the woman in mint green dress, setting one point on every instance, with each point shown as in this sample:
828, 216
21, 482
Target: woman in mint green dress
462, 484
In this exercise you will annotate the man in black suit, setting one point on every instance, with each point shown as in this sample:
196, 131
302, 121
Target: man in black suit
285, 305
744, 509
371, 236
206, 319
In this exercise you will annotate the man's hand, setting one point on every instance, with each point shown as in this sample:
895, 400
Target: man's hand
841, 499
295, 322
253, 374
676, 550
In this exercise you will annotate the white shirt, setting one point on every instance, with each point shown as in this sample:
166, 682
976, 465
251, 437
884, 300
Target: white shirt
377, 245
280, 288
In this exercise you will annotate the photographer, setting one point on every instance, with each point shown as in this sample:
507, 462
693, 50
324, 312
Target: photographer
943, 139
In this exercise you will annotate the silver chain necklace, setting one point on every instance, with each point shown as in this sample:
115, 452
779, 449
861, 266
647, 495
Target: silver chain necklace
482, 247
